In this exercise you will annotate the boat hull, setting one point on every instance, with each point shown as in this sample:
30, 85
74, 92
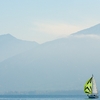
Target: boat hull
93, 96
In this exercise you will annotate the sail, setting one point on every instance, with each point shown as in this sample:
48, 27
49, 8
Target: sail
88, 86
94, 88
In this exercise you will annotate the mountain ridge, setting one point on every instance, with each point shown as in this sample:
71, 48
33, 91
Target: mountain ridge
62, 64
11, 46
93, 30
52, 65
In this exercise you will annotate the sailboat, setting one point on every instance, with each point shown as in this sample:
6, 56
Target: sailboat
90, 88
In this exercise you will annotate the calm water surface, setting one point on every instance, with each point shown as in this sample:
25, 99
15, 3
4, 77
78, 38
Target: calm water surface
50, 98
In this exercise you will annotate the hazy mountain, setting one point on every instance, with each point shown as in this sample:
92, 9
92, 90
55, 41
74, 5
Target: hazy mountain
59, 65
10, 46
62, 64
94, 30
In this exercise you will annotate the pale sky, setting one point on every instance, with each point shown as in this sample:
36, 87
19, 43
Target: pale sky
46, 20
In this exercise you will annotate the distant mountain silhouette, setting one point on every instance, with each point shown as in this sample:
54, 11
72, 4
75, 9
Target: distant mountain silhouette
62, 64
94, 30
10, 46
7, 37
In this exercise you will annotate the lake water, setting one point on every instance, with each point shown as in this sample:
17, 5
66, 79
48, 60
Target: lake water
58, 95
69, 97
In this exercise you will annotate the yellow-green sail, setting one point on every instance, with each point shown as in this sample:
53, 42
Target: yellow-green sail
88, 86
